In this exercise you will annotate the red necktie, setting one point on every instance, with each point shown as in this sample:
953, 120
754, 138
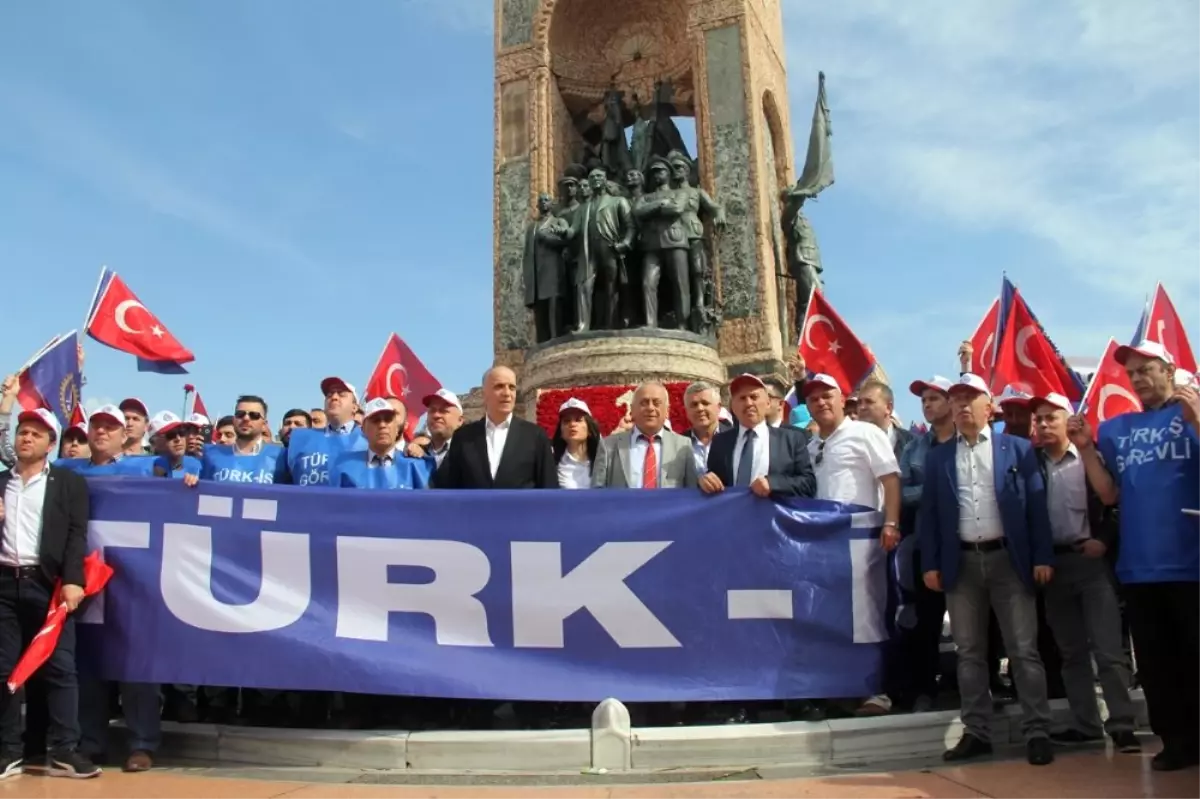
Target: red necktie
650, 466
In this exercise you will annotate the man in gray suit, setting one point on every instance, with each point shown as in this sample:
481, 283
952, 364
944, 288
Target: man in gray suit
649, 455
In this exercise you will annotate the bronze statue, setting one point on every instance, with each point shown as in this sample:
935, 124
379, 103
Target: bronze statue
664, 243
657, 134
695, 201
580, 275
545, 238
614, 151
803, 254
606, 232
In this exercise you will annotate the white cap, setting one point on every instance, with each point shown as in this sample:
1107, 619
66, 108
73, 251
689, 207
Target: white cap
819, 380
163, 421
134, 401
377, 405
575, 404
1145, 348
1013, 394
1053, 398
724, 414
111, 411
1184, 378
328, 383
753, 380
42, 417
448, 397
198, 420
936, 383
973, 383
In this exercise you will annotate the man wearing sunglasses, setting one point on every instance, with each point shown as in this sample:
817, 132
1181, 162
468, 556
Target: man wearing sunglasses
172, 436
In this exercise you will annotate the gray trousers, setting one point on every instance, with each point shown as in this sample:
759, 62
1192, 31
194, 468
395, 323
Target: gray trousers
988, 580
1081, 608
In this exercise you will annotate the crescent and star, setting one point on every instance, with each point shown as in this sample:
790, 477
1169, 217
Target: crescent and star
833, 344
387, 380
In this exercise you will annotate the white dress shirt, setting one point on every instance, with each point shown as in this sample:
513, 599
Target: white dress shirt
700, 452
853, 458
637, 457
23, 501
497, 436
978, 511
574, 473
439, 455
375, 460
761, 453
1066, 495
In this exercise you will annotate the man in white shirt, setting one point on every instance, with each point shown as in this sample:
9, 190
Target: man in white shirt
854, 463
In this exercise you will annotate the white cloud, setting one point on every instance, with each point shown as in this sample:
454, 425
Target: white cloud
1073, 123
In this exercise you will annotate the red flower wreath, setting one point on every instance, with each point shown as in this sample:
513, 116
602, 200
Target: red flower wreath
602, 400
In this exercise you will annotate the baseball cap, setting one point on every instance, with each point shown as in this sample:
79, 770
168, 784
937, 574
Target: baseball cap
82, 427
377, 405
198, 420
575, 404
43, 417
1011, 394
111, 411
135, 404
972, 383
1184, 378
164, 421
935, 383
1052, 398
330, 382
745, 379
819, 381
448, 397
1145, 348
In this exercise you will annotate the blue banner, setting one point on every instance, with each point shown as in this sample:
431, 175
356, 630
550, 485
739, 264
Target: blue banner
526, 595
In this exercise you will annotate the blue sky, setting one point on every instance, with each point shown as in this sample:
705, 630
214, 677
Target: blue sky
285, 189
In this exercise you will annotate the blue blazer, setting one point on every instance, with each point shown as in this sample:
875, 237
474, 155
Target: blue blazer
1020, 492
790, 473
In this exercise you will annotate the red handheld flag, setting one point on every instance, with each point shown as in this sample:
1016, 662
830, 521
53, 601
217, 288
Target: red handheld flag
96, 574
983, 342
1165, 327
400, 374
1026, 358
122, 322
198, 406
829, 346
1110, 393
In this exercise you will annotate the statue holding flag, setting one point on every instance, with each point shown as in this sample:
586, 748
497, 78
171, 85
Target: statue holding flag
803, 254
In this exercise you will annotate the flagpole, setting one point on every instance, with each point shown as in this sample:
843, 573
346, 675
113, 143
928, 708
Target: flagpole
186, 394
95, 294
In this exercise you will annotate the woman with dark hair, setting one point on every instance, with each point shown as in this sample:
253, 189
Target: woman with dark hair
575, 442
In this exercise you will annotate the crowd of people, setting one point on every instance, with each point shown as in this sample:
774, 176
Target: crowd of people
1051, 543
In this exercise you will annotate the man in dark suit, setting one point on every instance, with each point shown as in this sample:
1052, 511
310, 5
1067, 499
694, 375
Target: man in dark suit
985, 541
45, 517
768, 460
499, 450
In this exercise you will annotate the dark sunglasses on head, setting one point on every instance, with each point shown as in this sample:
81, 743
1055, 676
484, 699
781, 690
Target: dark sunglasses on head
820, 453
254, 416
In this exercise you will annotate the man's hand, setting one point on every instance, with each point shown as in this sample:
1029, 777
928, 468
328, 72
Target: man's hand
965, 351
626, 423
1079, 432
889, 538
191, 480
72, 595
933, 581
414, 450
711, 484
797, 367
761, 487
11, 386
1091, 548
1189, 399
1043, 574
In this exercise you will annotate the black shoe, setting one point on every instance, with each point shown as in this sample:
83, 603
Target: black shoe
11, 767
967, 747
1072, 736
72, 765
1039, 752
1126, 743
1173, 759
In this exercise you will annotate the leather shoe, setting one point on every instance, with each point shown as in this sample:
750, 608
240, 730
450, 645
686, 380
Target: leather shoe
967, 747
1173, 758
139, 760
1039, 752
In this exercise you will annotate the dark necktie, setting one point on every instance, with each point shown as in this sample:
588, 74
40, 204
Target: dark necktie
745, 469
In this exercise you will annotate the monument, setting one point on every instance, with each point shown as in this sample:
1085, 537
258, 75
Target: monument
651, 261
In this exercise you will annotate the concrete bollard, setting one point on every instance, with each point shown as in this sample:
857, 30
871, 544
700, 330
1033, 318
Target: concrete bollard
612, 736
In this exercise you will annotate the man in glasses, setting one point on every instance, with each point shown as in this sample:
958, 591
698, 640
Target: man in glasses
172, 436
249, 422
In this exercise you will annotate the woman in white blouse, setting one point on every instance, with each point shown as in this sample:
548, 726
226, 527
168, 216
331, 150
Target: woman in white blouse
575, 442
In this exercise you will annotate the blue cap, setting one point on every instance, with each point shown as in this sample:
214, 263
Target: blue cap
800, 417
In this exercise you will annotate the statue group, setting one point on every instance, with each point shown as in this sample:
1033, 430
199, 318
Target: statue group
624, 245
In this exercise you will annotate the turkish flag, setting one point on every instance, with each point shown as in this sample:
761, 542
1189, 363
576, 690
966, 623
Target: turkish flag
983, 342
198, 406
122, 322
400, 374
828, 346
1164, 326
1025, 357
1110, 393
96, 574
77, 417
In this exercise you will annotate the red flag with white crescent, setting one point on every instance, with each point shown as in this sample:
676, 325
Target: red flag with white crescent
828, 346
983, 342
1110, 393
1164, 326
1025, 357
400, 374
123, 323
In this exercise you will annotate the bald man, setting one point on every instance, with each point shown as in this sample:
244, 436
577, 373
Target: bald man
500, 450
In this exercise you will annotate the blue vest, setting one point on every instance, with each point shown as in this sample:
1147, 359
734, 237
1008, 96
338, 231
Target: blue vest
311, 453
190, 465
223, 465
125, 466
351, 470
1155, 458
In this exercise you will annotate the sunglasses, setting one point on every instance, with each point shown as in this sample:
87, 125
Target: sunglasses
253, 416
820, 453
178, 432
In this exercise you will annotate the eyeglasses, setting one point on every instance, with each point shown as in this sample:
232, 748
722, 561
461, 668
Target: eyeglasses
178, 432
253, 416
820, 453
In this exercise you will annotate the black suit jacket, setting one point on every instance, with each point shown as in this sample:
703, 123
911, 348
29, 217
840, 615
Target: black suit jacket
527, 460
789, 473
64, 525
